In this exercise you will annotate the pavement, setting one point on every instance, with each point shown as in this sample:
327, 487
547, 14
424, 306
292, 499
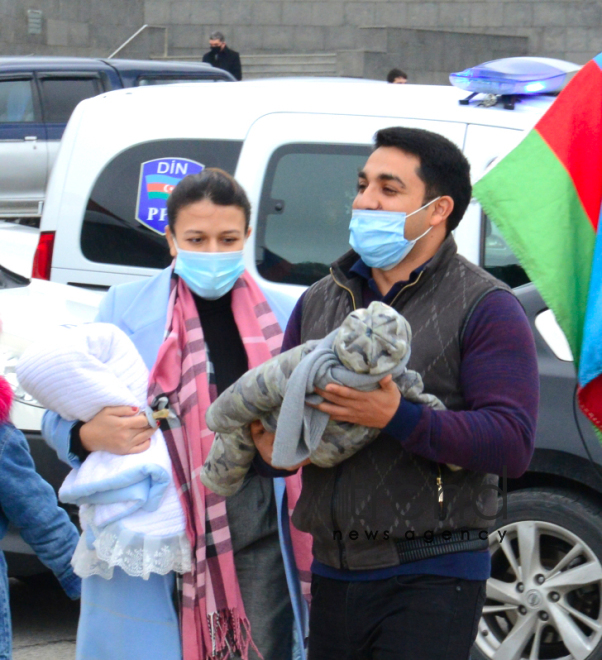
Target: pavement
44, 620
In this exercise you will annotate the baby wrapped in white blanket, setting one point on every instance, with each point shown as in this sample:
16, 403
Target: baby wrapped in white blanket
129, 507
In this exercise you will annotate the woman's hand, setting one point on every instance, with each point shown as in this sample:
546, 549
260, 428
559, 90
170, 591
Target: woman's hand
264, 440
118, 430
264, 443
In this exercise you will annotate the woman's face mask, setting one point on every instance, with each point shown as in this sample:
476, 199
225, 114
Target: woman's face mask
209, 274
208, 247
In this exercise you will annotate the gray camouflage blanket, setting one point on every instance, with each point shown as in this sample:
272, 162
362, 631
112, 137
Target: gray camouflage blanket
370, 344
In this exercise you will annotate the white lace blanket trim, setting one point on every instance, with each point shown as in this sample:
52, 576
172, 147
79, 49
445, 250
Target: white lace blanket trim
137, 554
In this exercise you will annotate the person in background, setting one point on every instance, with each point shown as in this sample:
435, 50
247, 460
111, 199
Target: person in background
222, 57
396, 76
29, 503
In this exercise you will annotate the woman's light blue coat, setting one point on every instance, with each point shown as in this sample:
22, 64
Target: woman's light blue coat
140, 310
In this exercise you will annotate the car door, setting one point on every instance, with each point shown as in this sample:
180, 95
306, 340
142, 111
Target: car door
60, 93
23, 148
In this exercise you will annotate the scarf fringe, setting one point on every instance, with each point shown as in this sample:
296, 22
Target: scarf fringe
230, 633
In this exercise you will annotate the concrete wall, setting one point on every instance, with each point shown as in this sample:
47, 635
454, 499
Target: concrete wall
427, 56
69, 27
570, 29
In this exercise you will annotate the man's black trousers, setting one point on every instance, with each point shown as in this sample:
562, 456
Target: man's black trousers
407, 617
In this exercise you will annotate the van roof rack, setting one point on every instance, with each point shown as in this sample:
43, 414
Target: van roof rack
509, 79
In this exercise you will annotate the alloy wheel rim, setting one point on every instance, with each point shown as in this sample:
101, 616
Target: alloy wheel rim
544, 597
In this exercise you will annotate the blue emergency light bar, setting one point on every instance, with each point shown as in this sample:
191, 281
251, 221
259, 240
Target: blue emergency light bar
515, 76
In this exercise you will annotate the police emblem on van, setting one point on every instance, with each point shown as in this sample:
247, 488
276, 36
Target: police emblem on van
158, 178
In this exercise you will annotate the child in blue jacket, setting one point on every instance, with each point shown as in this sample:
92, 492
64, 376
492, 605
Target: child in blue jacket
29, 503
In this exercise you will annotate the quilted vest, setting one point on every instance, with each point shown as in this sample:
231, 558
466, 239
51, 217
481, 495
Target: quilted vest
385, 505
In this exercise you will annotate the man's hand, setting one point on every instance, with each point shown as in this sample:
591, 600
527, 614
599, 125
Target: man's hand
118, 430
373, 409
264, 443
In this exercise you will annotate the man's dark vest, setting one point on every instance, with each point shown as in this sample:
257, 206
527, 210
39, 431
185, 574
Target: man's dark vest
386, 505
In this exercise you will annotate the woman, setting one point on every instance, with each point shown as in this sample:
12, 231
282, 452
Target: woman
199, 325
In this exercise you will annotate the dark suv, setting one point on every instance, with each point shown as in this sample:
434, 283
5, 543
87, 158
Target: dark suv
37, 97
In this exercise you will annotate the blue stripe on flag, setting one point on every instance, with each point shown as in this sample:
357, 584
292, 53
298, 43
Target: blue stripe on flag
590, 363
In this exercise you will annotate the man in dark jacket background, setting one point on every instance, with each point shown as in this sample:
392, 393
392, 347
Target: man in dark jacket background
223, 57
400, 540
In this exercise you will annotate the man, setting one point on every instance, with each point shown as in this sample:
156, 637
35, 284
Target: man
397, 76
223, 57
399, 538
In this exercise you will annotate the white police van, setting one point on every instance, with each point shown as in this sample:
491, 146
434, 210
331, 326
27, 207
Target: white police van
296, 146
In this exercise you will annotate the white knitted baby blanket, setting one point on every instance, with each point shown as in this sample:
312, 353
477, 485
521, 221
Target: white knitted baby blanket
129, 507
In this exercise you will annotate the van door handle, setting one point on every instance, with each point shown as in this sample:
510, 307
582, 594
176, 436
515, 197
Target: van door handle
30, 138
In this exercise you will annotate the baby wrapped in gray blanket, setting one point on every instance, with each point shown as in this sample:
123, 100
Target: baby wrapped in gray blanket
370, 344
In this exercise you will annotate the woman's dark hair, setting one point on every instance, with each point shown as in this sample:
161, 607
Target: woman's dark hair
443, 169
213, 184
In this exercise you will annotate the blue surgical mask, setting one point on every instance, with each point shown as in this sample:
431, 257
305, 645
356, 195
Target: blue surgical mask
379, 236
209, 274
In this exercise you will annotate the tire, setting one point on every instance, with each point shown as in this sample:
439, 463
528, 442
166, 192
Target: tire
544, 603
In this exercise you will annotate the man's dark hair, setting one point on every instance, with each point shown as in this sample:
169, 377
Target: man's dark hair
213, 184
396, 73
219, 36
443, 168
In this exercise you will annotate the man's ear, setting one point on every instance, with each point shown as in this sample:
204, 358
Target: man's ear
170, 242
442, 209
249, 230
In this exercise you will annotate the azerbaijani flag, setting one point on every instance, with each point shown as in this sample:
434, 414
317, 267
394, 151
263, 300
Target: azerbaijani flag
545, 196
159, 186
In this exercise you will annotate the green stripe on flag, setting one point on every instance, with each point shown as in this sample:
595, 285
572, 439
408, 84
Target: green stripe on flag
531, 198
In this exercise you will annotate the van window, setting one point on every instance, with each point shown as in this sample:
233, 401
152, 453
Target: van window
16, 101
305, 208
61, 95
498, 258
111, 232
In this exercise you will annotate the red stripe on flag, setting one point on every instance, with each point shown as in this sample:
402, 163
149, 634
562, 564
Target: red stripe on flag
590, 401
572, 128
159, 187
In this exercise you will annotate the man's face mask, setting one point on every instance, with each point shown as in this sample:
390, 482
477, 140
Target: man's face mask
379, 236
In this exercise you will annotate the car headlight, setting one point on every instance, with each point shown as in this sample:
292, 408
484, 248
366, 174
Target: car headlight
8, 362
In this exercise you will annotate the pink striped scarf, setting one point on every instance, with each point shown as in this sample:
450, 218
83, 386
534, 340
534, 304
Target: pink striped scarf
213, 619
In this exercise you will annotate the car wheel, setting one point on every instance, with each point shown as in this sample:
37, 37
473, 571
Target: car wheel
544, 596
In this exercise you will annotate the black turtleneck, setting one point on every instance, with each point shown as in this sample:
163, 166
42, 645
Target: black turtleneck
226, 350
228, 357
